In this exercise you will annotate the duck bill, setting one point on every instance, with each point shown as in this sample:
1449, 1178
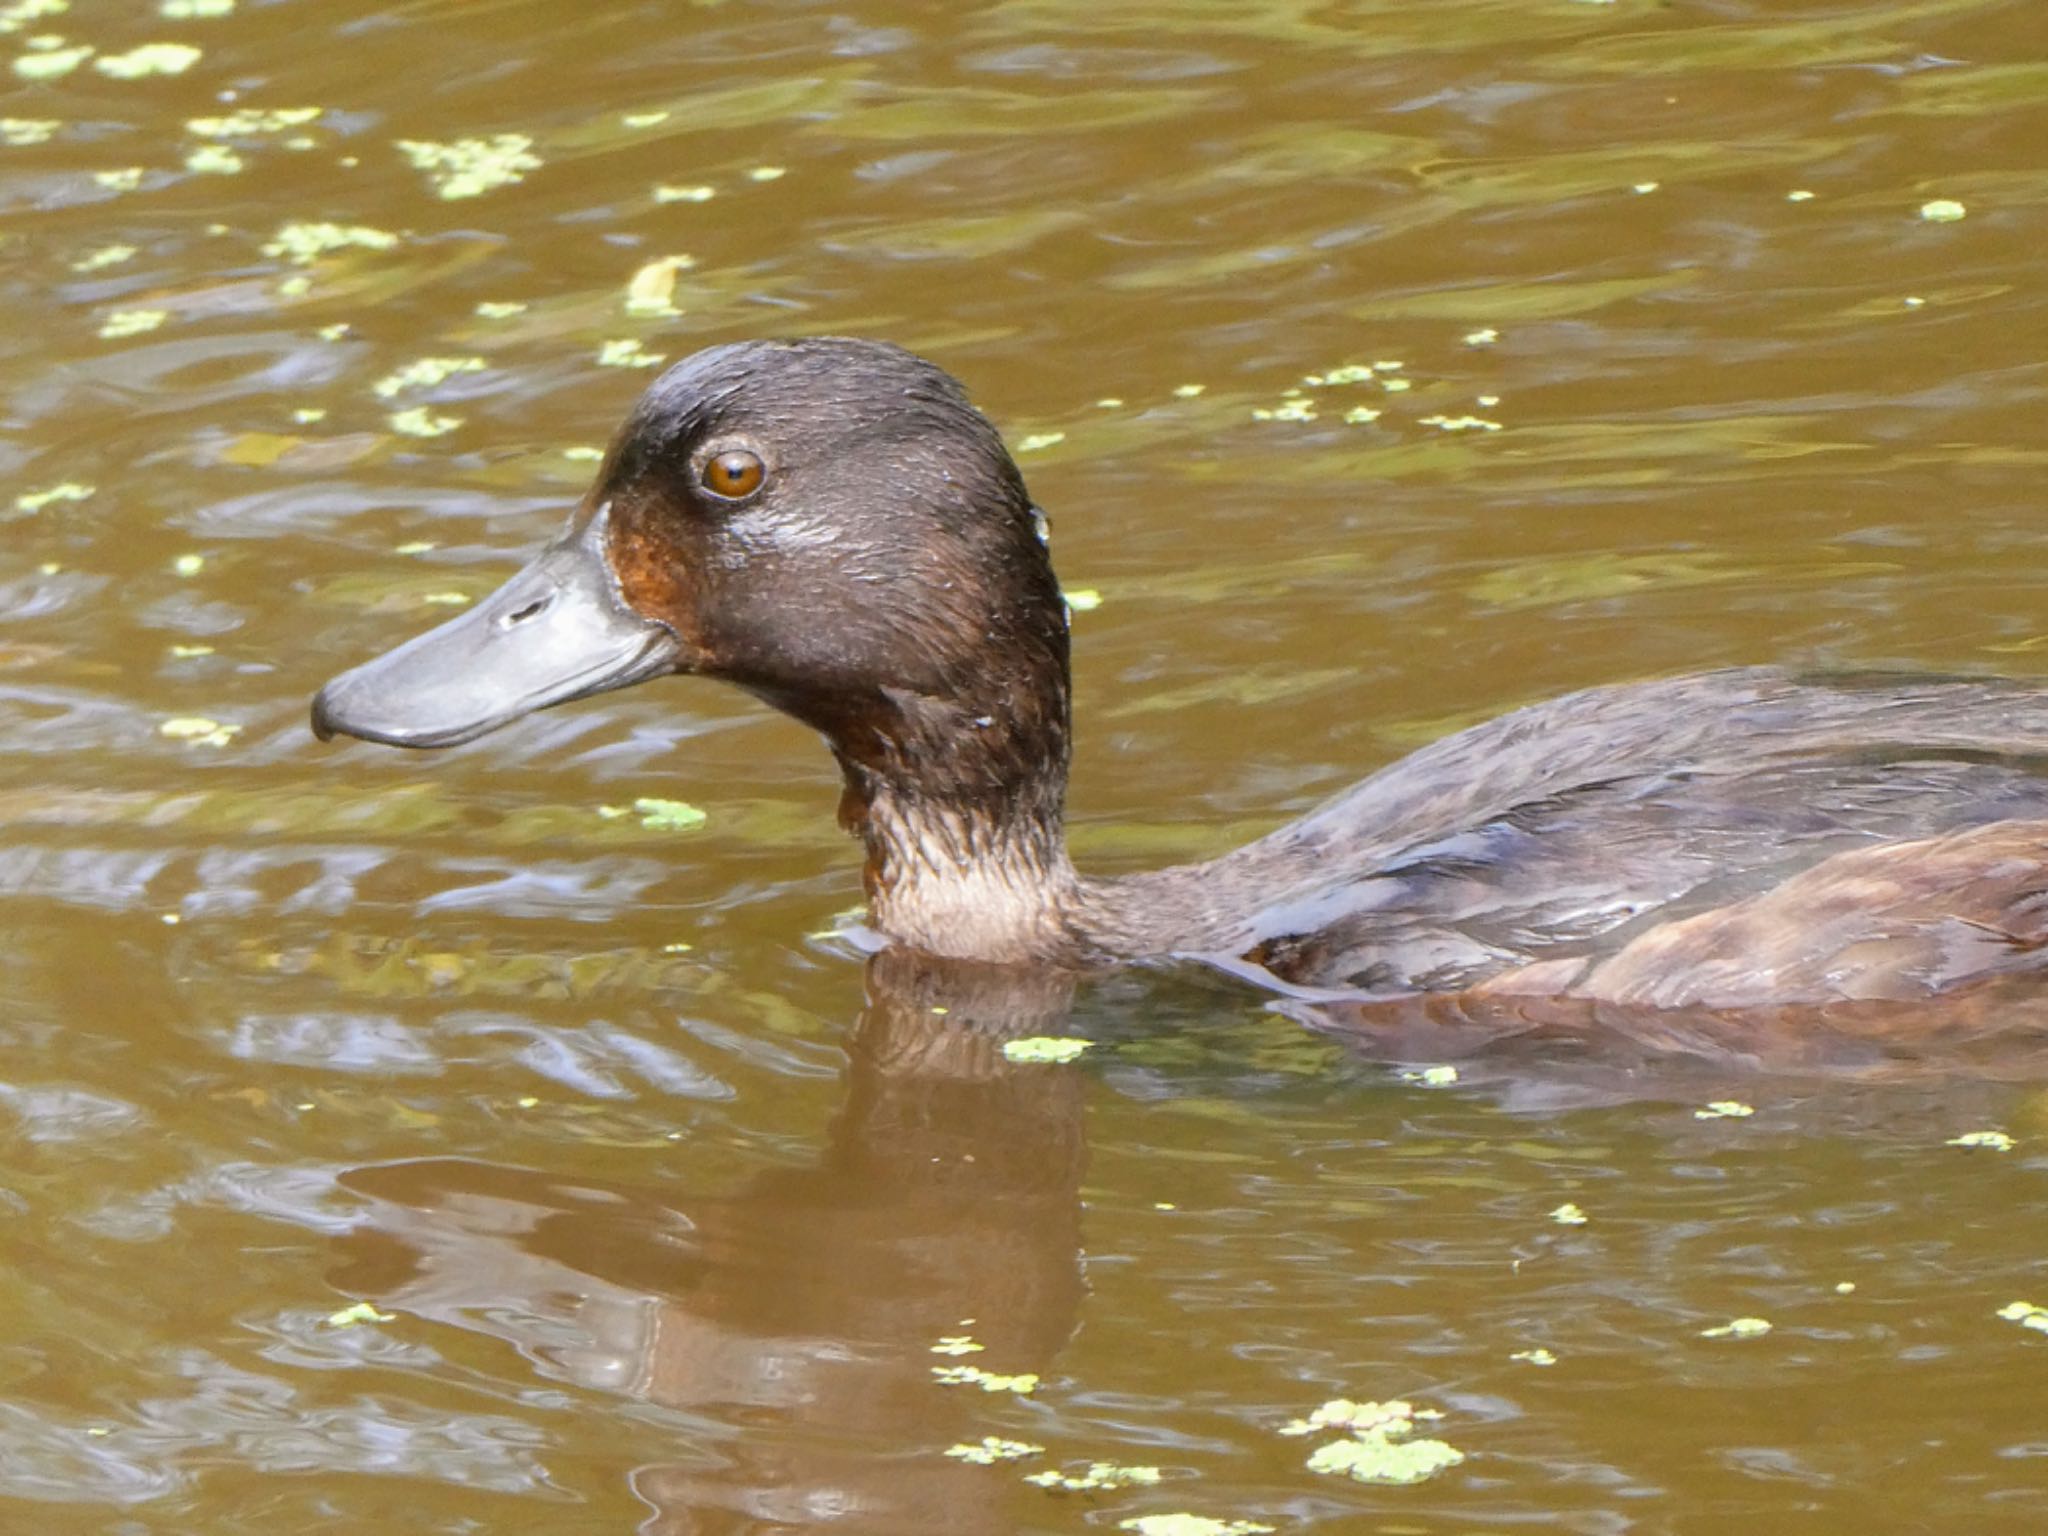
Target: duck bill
558, 630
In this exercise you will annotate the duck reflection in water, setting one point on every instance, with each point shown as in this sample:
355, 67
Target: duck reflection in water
795, 1320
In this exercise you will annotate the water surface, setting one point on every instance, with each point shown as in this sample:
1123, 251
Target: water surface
427, 1143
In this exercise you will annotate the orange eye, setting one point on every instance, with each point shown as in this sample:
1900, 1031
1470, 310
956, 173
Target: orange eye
734, 474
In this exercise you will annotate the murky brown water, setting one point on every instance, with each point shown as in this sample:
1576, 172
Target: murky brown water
661, 1224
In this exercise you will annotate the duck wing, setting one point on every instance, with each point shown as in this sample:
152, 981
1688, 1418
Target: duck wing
1567, 834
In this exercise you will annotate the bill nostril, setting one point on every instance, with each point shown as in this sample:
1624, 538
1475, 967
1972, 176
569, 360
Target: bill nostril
523, 614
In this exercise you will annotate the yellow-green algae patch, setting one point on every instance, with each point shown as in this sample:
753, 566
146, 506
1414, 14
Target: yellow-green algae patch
627, 353
1381, 1448
652, 289
1942, 210
993, 1449
200, 730
1023, 1383
1739, 1328
1997, 1141
1184, 1524
1537, 1356
251, 122
471, 167
51, 63
35, 501
1724, 1109
424, 373
361, 1312
132, 322
1379, 1458
301, 242
958, 1344
1343, 1413
149, 59
418, 421
1045, 1049
1289, 410
193, 10
1569, 1215
1100, 1476
214, 160
104, 257
2026, 1314
658, 815
23, 131
1432, 1077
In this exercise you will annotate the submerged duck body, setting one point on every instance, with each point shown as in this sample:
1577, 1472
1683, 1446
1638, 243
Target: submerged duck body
830, 524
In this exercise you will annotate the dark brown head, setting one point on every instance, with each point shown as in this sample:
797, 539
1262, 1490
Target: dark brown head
827, 523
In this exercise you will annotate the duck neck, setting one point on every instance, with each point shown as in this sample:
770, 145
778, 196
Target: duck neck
960, 808
950, 882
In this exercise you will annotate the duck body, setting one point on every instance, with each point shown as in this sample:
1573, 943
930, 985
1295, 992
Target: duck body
830, 525
1730, 839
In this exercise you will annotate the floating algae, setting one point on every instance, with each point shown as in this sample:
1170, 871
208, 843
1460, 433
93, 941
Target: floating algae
1997, 1141
1380, 1449
1052, 1050
1100, 1477
993, 1449
1740, 1328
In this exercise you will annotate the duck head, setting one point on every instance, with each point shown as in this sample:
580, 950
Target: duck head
827, 523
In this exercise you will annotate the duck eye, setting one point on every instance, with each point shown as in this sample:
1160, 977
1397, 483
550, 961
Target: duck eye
733, 474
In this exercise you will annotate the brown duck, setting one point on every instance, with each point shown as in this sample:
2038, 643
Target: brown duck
831, 525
